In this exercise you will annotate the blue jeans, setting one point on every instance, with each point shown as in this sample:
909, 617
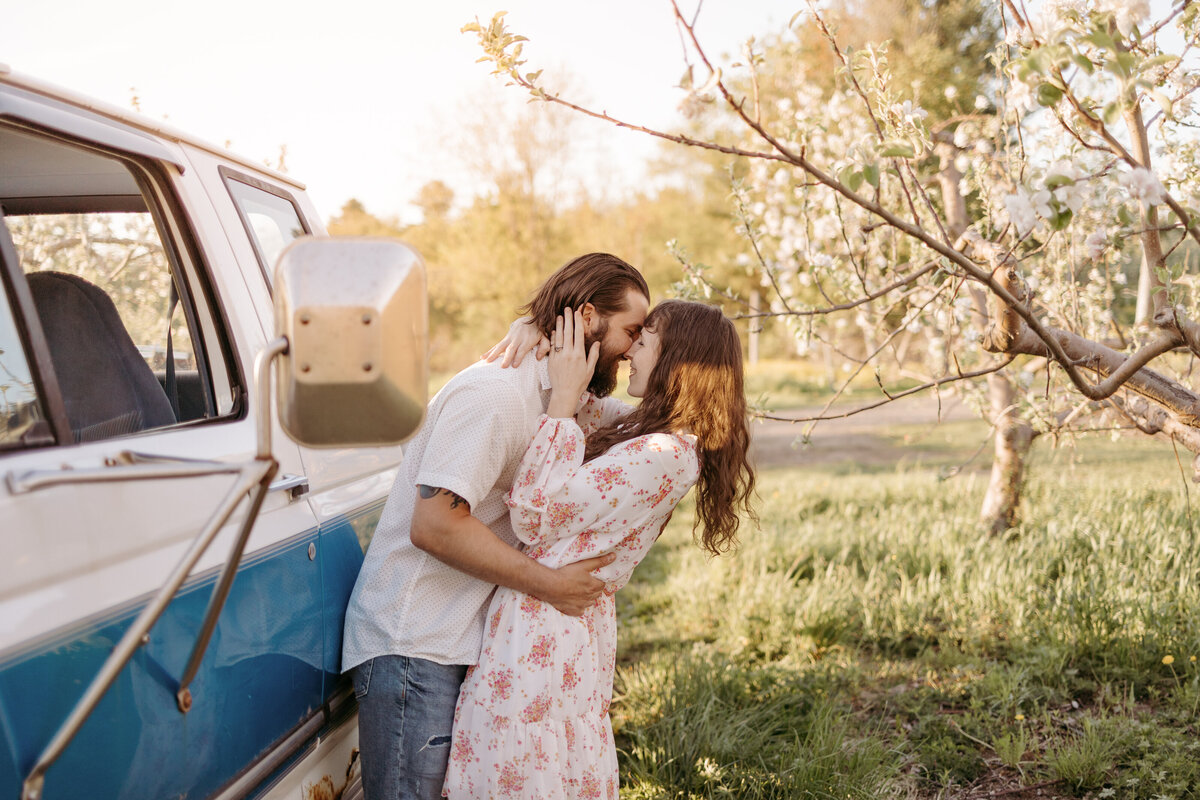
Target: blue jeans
405, 717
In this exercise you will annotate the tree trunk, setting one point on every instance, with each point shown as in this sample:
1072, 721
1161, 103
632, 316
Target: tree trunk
1013, 434
1152, 294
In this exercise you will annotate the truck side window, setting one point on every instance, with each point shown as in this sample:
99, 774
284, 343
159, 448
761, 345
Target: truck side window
270, 215
20, 409
107, 288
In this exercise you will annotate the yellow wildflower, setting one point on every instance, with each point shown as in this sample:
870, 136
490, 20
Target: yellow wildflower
1019, 717
1168, 660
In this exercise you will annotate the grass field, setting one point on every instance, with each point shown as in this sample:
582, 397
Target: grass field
869, 641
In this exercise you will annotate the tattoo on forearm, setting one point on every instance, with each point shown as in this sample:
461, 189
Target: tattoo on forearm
428, 492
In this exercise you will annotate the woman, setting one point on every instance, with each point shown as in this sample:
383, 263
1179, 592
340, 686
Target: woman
532, 719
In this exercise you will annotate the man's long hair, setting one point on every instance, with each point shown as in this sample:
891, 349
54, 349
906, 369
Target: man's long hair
696, 386
597, 278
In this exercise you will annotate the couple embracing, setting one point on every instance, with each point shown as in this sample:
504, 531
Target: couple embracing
482, 630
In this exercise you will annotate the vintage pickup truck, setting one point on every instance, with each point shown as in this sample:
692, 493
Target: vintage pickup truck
177, 548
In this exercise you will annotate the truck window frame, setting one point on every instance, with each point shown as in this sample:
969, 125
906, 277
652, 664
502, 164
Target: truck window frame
230, 175
190, 274
33, 343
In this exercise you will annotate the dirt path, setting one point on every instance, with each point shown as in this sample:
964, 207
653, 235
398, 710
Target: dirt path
862, 438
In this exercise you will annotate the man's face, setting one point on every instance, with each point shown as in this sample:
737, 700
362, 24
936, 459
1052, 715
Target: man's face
616, 335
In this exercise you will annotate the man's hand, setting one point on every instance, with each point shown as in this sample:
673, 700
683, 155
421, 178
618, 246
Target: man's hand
442, 526
579, 587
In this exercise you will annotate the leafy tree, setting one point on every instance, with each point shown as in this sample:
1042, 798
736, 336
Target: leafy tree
995, 242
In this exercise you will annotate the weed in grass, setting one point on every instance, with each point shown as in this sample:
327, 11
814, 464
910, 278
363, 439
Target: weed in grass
1011, 746
946, 755
1085, 760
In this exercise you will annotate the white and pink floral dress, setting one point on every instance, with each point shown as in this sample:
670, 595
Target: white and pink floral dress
532, 718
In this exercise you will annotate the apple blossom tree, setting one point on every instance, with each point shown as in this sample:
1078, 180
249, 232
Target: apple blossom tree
992, 248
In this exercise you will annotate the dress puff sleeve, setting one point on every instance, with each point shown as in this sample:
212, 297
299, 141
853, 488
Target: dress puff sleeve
617, 502
553, 456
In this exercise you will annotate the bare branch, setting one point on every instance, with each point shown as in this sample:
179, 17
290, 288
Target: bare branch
897, 395
816, 312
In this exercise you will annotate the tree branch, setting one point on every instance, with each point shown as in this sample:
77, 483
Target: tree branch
892, 397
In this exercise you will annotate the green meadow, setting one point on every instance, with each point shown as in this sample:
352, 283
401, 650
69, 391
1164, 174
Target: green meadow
868, 640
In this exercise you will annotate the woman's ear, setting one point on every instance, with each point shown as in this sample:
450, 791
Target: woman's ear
591, 317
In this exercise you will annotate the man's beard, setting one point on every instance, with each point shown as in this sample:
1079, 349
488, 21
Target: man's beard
604, 379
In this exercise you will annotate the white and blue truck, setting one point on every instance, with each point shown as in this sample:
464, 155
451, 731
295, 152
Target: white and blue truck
201, 403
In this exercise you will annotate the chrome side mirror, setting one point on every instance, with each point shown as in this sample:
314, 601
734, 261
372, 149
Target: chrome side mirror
354, 314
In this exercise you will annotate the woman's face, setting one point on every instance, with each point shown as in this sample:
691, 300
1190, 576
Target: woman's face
643, 355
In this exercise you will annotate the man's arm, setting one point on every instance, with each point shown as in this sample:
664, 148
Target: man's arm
442, 526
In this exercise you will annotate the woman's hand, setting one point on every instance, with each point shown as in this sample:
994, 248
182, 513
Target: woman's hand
571, 366
521, 339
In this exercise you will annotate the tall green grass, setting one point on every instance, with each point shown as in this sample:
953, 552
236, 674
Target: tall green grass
872, 641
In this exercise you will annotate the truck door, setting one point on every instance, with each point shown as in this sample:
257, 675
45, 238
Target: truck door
125, 340
346, 488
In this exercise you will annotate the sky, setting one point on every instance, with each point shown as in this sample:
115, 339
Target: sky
363, 92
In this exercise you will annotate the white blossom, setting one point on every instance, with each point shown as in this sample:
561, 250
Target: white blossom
1019, 97
1069, 194
1041, 203
1143, 185
1128, 14
1096, 243
1020, 212
909, 113
981, 102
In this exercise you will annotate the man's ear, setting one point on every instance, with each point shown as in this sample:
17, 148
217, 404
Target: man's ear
591, 317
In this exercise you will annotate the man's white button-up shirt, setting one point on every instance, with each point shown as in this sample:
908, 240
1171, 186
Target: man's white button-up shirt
406, 602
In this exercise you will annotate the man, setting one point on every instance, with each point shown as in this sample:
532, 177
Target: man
415, 620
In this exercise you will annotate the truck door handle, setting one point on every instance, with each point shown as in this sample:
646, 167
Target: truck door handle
294, 485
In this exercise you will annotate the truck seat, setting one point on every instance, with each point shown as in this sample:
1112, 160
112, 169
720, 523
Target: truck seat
107, 388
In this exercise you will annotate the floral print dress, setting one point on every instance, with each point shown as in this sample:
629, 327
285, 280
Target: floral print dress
532, 718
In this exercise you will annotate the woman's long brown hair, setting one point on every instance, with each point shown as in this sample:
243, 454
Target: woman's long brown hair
696, 386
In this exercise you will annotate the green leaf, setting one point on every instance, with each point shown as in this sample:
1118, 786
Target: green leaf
895, 148
1163, 101
871, 174
796, 16
1154, 61
1083, 62
1111, 113
1041, 60
1061, 219
1101, 39
1124, 216
1048, 94
1121, 64
851, 176
1055, 181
